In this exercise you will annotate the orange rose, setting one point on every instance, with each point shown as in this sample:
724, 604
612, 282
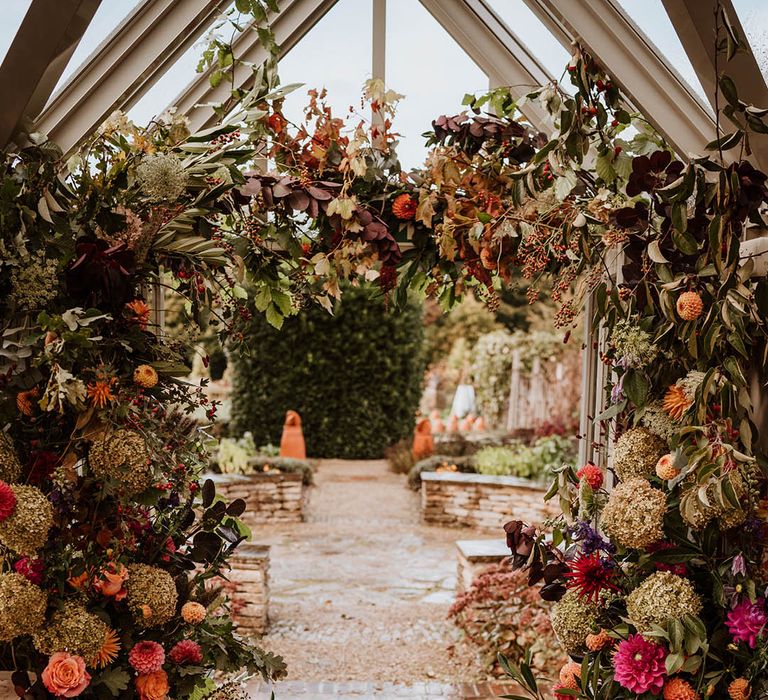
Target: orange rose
152, 686
111, 582
65, 675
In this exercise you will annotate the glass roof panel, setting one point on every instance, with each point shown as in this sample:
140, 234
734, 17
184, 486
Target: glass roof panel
754, 18
104, 22
532, 32
13, 14
426, 65
652, 19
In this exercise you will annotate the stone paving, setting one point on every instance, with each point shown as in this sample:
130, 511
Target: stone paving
360, 592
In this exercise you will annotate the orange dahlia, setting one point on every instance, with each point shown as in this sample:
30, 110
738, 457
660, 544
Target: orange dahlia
689, 306
596, 642
145, 376
141, 311
569, 673
679, 689
100, 392
25, 401
404, 207
676, 403
109, 649
665, 467
193, 613
739, 689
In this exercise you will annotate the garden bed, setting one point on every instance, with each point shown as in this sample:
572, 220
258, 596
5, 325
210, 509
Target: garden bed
270, 497
480, 501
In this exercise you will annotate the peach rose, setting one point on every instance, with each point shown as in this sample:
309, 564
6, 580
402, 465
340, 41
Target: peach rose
65, 675
152, 686
111, 581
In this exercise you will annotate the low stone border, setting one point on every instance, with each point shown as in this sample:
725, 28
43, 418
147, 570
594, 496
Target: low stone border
248, 587
480, 501
472, 556
269, 497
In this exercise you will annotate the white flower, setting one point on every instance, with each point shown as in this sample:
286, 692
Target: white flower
162, 177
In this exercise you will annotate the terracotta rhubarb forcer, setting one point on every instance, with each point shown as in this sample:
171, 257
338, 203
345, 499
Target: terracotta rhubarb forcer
423, 444
292, 441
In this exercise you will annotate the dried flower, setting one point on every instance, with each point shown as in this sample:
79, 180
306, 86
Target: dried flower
152, 686
110, 648
65, 675
35, 285
141, 312
193, 613
186, 651
639, 665
634, 514
601, 640
145, 376
679, 689
7, 501
592, 474
689, 306
746, 621
676, 402
636, 453
661, 597
30, 569
665, 467
152, 595
72, 628
10, 466
100, 392
122, 456
146, 656
633, 345
26, 530
27, 400
573, 618
162, 177
658, 421
739, 689
590, 575
22, 606
404, 207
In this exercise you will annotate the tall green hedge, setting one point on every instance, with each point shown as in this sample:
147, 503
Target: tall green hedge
354, 377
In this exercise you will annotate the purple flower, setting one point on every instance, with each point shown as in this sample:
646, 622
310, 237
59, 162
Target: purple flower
617, 390
746, 621
739, 565
590, 540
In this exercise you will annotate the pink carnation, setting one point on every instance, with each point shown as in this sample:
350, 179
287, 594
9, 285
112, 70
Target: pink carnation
639, 665
147, 657
186, 652
30, 569
746, 621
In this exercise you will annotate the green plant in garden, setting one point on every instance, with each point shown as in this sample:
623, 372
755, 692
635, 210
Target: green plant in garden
538, 461
354, 377
441, 463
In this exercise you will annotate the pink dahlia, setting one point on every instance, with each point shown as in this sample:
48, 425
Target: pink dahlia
186, 652
147, 657
592, 474
7, 501
639, 665
746, 621
30, 569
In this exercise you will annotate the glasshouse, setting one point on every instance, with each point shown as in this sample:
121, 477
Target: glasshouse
384, 349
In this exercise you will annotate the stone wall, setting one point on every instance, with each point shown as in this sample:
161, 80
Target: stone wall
269, 497
248, 587
472, 556
480, 501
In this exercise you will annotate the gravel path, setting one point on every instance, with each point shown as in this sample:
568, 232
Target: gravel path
360, 591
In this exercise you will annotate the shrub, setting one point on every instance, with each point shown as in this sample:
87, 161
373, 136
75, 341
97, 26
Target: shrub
535, 462
241, 456
354, 377
501, 613
438, 463
400, 456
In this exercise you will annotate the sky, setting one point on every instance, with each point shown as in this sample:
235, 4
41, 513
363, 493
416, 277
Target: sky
423, 61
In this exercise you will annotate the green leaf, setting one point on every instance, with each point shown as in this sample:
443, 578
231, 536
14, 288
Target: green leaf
274, 317
728, 88
116, 680
636, 387
726, 142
